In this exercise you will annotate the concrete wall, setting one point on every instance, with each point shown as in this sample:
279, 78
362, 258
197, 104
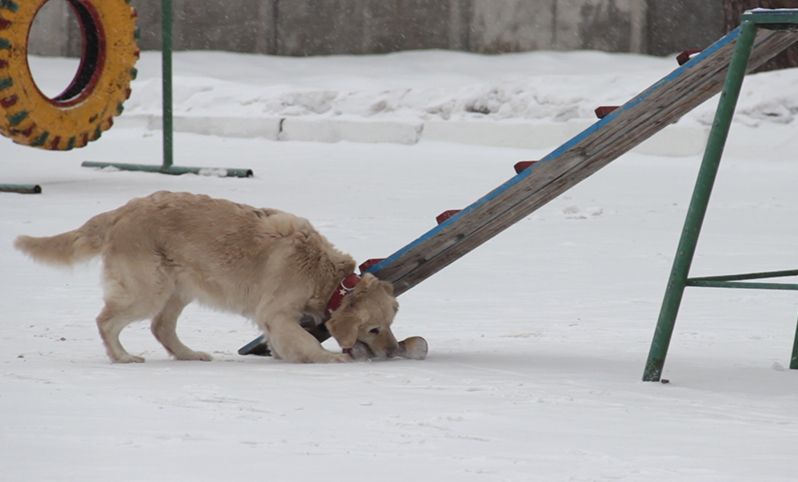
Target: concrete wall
684, 24
54, 31
321, 27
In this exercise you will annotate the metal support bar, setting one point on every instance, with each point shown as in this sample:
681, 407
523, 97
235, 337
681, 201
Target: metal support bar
21, 188
742, 285
173, 170
747, 276
783, 18
734, 281
699, 202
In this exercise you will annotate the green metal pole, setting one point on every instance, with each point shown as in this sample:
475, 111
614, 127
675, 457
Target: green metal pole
166, 74
794, 357
698, 204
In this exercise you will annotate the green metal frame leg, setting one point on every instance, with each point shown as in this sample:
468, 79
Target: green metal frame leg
698, 204
794, 357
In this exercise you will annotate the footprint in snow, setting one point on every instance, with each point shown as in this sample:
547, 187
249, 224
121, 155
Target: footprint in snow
575, 212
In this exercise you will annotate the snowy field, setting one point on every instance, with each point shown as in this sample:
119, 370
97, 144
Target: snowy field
537, 339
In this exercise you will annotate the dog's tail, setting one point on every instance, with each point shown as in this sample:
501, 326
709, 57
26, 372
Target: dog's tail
71, 247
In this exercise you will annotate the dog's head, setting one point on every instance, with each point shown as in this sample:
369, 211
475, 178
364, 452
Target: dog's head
365, 316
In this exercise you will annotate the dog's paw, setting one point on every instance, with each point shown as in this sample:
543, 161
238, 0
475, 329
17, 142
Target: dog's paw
202, 356
129, 359
194, 356
335, 358
342, 358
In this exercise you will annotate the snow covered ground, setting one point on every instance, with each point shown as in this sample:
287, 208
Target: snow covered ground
537, 339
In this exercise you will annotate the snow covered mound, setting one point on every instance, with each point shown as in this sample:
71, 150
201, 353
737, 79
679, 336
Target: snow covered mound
536, 99
425, 85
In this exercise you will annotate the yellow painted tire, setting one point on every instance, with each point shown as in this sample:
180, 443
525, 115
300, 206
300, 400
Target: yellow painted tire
87, 106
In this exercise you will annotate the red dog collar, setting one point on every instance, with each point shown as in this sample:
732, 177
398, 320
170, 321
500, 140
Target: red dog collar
344, 288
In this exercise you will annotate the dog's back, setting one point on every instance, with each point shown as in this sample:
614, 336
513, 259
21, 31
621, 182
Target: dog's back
219, 251
164, 222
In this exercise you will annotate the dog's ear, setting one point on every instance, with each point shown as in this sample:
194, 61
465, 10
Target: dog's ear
370, 281
344, 266
367, 281
344, 328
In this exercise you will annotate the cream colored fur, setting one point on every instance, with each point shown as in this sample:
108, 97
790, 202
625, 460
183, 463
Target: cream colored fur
163, 251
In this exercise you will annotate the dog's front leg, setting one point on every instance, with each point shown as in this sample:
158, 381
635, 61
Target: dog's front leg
290, 342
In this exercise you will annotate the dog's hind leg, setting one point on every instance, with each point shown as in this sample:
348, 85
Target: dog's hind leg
111, 320
134, 290
164, 328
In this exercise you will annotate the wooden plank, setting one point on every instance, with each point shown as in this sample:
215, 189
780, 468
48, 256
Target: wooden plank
637, 120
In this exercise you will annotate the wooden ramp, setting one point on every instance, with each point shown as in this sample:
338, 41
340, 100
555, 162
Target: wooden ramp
618, 131
621, 130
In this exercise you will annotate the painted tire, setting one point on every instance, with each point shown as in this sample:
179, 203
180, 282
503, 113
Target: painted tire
88, 105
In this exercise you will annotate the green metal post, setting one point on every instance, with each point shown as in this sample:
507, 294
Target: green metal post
166, 75
794, 357
698, 204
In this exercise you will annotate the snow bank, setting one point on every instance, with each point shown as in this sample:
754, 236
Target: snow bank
522, 100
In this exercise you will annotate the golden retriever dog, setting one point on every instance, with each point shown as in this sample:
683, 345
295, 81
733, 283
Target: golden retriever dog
163, 251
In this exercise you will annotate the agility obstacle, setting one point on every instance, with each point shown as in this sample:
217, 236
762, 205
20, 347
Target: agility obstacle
97, 92
167, 164
722, 66
86, 108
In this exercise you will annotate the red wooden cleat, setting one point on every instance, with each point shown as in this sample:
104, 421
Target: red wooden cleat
446, 215
605, 110
685, 56
522, 165
369, 263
